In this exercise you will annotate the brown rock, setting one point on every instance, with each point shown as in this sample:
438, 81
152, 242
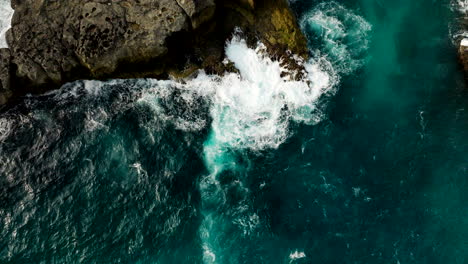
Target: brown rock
49, 39
53, 42
463, 50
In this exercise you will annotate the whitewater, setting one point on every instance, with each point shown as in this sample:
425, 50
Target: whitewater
6, 14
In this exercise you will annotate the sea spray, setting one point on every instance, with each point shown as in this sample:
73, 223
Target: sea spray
339, 33
6, 13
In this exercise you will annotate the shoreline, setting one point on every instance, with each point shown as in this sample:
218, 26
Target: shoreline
94, 43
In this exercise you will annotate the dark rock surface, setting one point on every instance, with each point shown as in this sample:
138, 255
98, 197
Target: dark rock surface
463, 50
52, 42
5, 92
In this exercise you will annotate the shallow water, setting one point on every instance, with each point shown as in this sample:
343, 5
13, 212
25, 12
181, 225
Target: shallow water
368, 164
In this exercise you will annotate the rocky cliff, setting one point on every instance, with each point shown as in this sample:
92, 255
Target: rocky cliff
52, 42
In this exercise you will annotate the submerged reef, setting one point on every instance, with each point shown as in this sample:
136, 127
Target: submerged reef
53, 42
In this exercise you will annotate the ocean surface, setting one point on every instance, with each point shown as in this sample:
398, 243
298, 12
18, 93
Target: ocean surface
364, 160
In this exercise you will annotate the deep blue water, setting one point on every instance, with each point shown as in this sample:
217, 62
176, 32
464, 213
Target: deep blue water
93, 173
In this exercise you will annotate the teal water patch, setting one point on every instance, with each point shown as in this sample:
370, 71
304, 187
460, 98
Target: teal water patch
91, 174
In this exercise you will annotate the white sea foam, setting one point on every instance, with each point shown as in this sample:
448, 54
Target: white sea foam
252, 109
459, 33
464, 42
462, 6
6, 13
340, 33
297, 255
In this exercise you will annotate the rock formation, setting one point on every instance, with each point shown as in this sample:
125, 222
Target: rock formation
464, 54
52, 42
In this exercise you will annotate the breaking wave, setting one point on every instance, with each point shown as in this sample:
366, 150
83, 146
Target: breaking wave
339, 33
249, 110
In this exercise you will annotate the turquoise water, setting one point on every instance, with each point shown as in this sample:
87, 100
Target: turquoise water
368, 164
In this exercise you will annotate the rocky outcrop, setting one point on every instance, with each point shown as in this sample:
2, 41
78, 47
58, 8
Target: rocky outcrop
463, 50
52, 39
52, 42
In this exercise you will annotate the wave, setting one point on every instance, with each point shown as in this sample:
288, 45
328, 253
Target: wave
250, 109
339, 33
247, 111
6, 13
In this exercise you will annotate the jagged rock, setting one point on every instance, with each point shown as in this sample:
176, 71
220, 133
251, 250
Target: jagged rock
53, 42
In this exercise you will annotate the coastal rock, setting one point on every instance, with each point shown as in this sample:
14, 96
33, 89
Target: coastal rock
464, 53
198, 11
278, 26
51, 39
53, 42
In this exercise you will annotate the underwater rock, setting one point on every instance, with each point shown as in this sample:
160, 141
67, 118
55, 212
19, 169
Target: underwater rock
53, 42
